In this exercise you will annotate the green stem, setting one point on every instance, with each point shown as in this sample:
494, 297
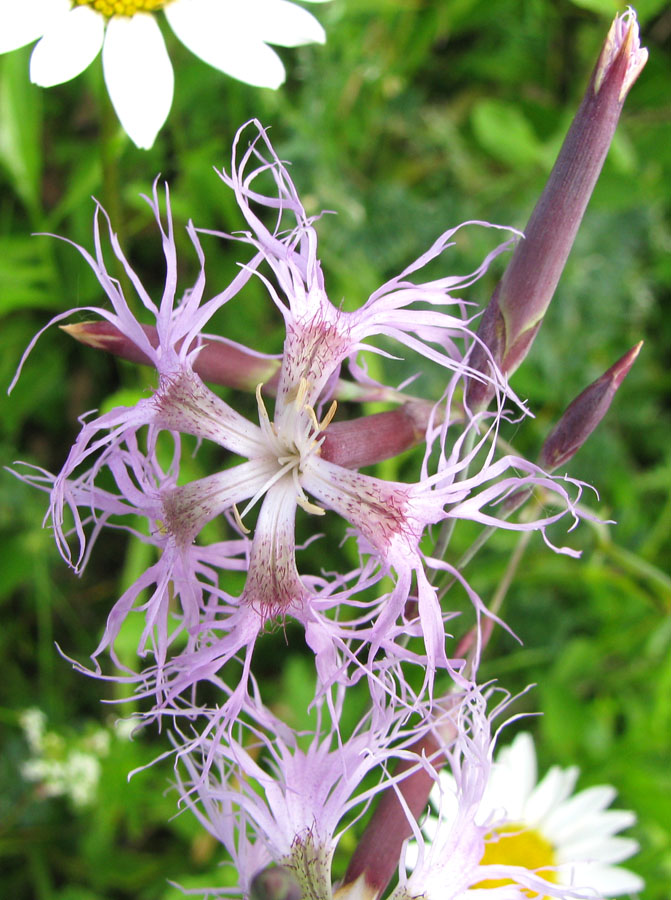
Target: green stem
658, 581
501, 591
510, 572
447, 528
482, 539
110, 152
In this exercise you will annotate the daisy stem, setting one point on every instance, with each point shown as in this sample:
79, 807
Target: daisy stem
110, 150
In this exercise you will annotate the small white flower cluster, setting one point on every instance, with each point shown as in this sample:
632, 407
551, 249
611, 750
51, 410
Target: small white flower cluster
63, 766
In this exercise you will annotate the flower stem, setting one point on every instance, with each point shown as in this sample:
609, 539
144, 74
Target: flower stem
110, 152
447, 528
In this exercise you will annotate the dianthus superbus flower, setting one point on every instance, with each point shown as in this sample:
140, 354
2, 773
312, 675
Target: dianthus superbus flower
284, 473
282, 798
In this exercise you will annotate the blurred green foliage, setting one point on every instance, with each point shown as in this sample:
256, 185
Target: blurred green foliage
413, 117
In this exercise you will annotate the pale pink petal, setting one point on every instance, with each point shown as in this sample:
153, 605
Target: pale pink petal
23, 21
184, 403
313, 349
273, 585
138, 75
383, 511
69, 45
189, 507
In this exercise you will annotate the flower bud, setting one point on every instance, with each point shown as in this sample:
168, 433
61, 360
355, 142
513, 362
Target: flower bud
583, 415
274, 883
369, 439
220, 362
375, 860
520, 300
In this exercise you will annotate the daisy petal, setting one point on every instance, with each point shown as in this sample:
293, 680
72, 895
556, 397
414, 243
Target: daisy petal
139, 76
550, 793
22, 23
205, 27
585, 803
69, 45
605, 823
512, 778
609, 881
600, 849
286, 24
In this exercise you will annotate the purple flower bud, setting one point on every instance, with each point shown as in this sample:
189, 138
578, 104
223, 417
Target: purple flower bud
521, 298
370, 439
219, 361
375, 860
584, 414
274, 883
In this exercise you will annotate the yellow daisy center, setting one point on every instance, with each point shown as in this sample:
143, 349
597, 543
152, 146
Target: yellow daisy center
518, 846
110, 8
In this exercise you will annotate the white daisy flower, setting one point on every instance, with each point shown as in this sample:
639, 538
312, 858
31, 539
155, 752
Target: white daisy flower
231, 35
545, 826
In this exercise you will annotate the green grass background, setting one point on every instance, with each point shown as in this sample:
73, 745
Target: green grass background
413, 117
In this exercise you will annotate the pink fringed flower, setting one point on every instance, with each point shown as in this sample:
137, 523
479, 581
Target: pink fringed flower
276, 797
283, 471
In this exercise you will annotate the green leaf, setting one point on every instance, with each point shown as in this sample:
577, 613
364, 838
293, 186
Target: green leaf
21, 129
26, 275
503, 131
645, 9
122, 397
73, 892
601, 7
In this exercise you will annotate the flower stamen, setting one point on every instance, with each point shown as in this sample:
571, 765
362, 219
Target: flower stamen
264, 418
328, 418
301, 391
516, 845
238, 520
313, 415
111, 8
309, 507
268, 484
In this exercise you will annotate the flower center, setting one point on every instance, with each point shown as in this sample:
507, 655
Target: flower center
518, 846
299, 435
110, 8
